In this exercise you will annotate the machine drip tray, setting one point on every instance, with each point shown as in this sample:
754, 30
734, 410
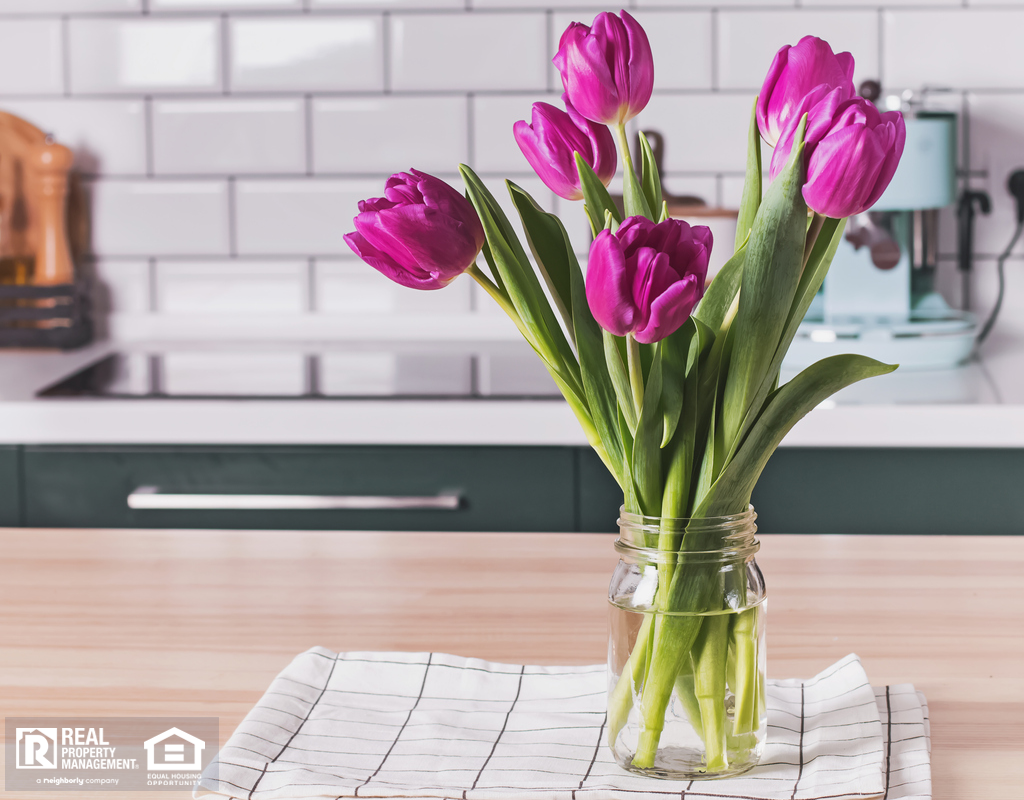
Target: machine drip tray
928, 340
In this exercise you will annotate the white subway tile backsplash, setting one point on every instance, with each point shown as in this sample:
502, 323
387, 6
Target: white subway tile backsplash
31, 57
746, 3
345, 89
108, 136
961, 48
375, 4
237, 373
379, 134
121, 287
307, 53
298, 217
494, 146
348, 286
747, 41
703, 132
223, 5
144, 55
236, 286
680, 43
678, 65
229, 136
67, 6
151, 218
487, 52
996, 149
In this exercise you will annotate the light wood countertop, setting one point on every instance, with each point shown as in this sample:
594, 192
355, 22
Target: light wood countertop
197, 623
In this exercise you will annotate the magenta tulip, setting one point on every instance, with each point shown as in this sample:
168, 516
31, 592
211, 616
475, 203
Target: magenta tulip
851, 162
551, 142
799, 79
422, 234
607, 68
646, 278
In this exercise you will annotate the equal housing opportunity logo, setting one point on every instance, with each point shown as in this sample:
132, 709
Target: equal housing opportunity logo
112, 753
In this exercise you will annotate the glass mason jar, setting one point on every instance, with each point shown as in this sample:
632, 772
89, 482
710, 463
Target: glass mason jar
686, 652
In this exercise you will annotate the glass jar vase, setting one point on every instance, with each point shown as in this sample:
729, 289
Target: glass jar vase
686, 653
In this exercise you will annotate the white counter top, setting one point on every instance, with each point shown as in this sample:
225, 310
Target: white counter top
978, 405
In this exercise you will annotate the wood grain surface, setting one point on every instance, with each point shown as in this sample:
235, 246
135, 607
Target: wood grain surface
197, 623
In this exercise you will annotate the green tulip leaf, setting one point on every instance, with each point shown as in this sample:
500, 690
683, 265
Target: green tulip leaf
544, 234
613, 348
750, 200
522, 284
731, 492
595, 195
650, 179
771, 274
647, 441
720, 294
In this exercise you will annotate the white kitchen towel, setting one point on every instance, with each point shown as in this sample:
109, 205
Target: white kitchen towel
904, 714
429, 725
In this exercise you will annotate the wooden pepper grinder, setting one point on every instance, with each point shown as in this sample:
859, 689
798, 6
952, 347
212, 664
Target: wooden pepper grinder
50, 162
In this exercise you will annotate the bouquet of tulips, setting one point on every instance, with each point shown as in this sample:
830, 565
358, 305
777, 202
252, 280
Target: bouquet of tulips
675, 383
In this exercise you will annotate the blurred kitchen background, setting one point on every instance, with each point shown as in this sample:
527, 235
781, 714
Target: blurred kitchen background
225, 142
220, 148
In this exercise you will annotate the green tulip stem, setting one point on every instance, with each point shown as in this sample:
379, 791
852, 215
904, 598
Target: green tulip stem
620, 701
623, 142
817, 221
709, 662
636, 372
746, 679
686, 692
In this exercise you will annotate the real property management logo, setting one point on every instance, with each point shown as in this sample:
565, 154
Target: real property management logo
35, 748
114, 753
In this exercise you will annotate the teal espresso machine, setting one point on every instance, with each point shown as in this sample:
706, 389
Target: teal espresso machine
879, 297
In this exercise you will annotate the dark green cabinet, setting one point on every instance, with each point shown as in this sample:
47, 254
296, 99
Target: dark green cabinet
499, 489
10, 486
802, 490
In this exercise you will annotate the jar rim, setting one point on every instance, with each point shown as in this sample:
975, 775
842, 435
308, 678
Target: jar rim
732, 535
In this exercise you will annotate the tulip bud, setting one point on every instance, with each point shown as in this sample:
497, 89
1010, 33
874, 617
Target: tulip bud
851, 161
422, 234
607, 68
646, 278
551, 142
799, 79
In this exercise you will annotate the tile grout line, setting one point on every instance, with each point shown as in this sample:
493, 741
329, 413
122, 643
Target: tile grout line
65, 47
881, 48
232, 219
714, 50
225, 56
471, 129
308, 115
385, 51
150, 134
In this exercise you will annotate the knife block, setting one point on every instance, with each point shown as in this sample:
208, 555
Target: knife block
41, 302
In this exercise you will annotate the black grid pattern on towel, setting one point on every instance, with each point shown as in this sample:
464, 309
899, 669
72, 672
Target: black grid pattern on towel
424, 725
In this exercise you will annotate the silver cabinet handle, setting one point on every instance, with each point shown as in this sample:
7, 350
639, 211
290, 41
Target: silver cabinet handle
150, 497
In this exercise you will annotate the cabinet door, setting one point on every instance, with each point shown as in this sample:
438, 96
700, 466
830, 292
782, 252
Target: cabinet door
10, 486
498, 488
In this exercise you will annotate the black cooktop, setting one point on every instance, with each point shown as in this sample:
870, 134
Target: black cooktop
448, 372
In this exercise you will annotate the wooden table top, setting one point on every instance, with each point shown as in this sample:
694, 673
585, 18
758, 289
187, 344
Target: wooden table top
197, 623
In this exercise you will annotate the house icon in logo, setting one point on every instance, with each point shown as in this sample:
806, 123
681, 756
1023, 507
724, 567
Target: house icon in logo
174, 750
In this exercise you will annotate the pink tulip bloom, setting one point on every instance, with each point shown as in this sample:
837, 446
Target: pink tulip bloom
551, 142
799, 79
422, 234
607, 68
646, 278
851, 161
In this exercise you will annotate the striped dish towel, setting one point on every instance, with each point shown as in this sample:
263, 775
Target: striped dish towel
429, 725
